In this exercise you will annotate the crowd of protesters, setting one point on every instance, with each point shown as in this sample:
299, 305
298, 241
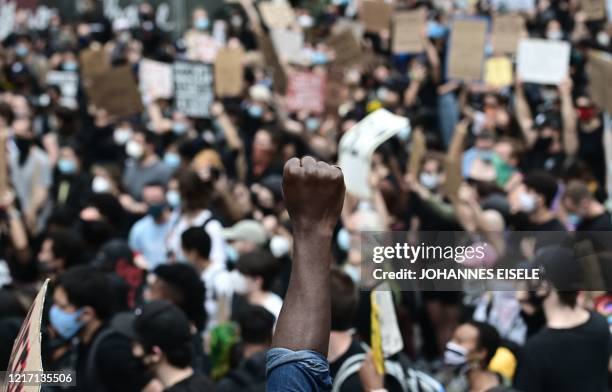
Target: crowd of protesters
167, 240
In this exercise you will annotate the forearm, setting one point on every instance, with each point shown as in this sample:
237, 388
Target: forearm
524, 117
304, 321
570, 135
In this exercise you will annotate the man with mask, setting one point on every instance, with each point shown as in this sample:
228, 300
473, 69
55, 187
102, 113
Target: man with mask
148, 235
162, 341
61, 249
101, 357
571, 352
535, 200
467, 357
30, 172
71, 185
585, 213
144, 166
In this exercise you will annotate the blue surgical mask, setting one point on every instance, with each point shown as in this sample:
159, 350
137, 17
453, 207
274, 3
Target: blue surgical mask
255, 111
66, 324
319, 58
312, 124
429, 180
574, 220
66, 166
21, 50
172, 159
179, 128
173, 198
232, 254
201, 23
343, 239
70, 66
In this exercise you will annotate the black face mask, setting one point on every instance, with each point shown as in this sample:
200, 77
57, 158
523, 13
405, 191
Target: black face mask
156, 210
543, 143
23, 145
96, 233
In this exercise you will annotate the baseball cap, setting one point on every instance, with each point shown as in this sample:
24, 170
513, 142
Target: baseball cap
560, 267
246, 230
156, 323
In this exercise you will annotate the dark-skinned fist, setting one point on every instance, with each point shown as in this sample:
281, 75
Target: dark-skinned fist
313, 193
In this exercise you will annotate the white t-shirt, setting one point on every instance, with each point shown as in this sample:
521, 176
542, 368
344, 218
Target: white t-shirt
213, 228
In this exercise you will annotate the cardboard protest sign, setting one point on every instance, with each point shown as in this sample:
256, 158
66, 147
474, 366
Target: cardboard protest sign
543, 61
279, 75
467, 49
386, 337
306, 92
94, 61
116, 92
408, 27
335, 91
355, 26
346, 47
229, 72
277, 14
26, 353
594, 9
155, 79
498, 72
507, 32
359, 143
288, 44
68, 83
375, 15
600, 76
193, 88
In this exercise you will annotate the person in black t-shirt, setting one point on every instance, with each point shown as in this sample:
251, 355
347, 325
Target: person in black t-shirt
571, 353
162, 340
585, 213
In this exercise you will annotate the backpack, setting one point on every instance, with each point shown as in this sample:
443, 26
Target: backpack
409, 379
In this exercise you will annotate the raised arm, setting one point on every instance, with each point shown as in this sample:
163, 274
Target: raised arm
568, 113
524, 116
314, 194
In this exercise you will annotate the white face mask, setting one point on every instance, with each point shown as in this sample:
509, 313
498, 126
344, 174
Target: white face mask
173, 198
239, 282
134, 149
455, 354
603, 39
554, 34
122, 135
527, 202
279, 246
429, 180
100, 185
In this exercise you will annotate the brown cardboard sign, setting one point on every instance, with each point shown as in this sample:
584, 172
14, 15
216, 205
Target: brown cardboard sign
229, 72
346, 47
594, 9
272, 60
408, 27
375, 15
277, 14
467, 49
116, 91
600, 76
507, 32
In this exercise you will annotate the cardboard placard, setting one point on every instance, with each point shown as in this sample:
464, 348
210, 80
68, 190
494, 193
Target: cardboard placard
355, 26
193, 88
306, 92
116, 92
507, 32
335, 92
272, 60
346, 47
93, 62
26, 353
277, 14
155, 79
408, 28
375, 15
600, 76
467, 49
543, 61
229, 78
594, 9
288, 44
68, 83
498, 72
359, 143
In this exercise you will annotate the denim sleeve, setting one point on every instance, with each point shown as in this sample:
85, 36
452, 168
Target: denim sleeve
297, 371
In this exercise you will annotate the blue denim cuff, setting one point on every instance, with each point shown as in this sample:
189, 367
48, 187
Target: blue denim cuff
304, 368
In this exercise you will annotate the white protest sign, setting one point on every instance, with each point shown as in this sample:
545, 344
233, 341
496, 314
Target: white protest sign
155, 79
513, 5
288, 44
68, 83
543, 61
391, 338
360, 142
193, 87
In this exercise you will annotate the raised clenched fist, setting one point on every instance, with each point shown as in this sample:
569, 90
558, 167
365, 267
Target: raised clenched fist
313, 193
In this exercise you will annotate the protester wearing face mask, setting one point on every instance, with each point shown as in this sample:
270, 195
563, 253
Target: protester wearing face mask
148, 235
575, 339
245, 236
162, 342
144, 166
61, 249
535, 200
71, 186
258, 272
197, 245
467, 357
79, 315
